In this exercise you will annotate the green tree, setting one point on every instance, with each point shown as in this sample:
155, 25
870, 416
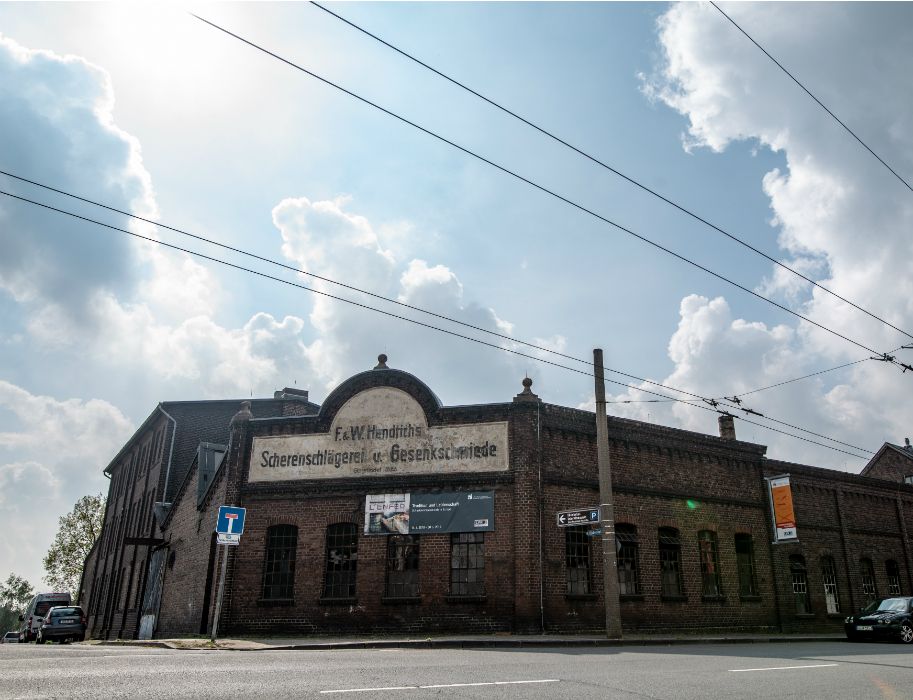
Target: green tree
77, 533
15, 594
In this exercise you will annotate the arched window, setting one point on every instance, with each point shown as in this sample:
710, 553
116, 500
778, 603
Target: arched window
709, 552
279, 562
892, 569
402, 566
744, 556
829, 579
670, 563
867, 576
799, 575
341, 561
628, 569
577, 561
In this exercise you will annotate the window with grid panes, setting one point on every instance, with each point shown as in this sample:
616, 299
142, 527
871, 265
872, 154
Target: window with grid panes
577, 560
709, 551
892, 569
628, 569
670, 563
467, 563
744, 557
279, 563
799, 575
829, 578
402, 566
341, 561
867, 574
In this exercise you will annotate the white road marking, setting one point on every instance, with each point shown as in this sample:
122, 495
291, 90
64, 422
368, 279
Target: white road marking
779, 668
443, 685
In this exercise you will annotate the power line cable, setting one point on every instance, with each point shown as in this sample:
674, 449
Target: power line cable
537, 186
709, 401
806, 376
608, 167
819, 102
415, 321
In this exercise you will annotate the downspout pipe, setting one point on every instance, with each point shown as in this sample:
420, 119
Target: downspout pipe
174, 432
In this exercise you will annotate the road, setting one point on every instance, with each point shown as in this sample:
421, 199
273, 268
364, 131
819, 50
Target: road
830, 670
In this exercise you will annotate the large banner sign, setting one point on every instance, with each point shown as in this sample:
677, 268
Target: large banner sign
781, 505
425, 513
378, 432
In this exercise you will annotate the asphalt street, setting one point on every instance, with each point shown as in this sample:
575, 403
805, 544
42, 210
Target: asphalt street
787, 670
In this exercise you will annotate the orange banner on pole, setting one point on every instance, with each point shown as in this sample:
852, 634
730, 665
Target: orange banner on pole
781, 505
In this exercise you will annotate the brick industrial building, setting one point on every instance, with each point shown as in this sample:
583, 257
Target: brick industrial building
332, 541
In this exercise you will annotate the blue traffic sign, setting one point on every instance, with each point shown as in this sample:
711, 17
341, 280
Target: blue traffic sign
231, 520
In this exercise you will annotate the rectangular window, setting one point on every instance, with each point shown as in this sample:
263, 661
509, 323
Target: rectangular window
402, 566
829, 578
670, 563
710, 564
467, 563
341, 560
627, 547
744, 555
577, 560
279, 563
892, 569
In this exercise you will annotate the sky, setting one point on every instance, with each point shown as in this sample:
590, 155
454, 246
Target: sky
146, 109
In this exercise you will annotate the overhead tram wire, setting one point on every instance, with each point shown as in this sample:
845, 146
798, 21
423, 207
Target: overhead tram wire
542, 188
606, 166
709, 401
415, 321
806, 376
819, 102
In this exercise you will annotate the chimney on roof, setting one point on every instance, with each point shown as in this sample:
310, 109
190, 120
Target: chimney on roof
727, 427
291, 393
908, 447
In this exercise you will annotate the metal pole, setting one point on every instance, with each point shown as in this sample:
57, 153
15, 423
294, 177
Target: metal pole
606, 507
215, 619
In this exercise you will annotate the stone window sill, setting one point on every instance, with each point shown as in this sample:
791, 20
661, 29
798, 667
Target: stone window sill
275, 602
450, 598
401, 600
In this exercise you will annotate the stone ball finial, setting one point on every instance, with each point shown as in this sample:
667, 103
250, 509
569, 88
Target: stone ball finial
527, 385
381, 362
244, 414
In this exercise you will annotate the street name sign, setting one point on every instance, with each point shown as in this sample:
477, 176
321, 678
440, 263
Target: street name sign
581, 516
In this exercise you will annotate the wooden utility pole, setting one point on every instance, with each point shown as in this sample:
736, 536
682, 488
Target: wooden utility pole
606, 507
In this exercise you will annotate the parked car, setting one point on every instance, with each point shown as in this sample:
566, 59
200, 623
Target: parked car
890, 618
36, 610
63, 624
11, 637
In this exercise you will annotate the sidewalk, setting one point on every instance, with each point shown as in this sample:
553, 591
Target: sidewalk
480, 641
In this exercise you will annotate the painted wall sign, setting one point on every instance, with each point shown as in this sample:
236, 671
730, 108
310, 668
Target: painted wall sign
380, 431
781, 505
425, 513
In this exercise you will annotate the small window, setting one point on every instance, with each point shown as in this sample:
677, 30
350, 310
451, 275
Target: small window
467, 563
341, 561
670, 563
799, 574
577, 560
628, 571
908, 479
279, 564
829, 579
402, 566
867, 575
744, 555
892, 569
709, 551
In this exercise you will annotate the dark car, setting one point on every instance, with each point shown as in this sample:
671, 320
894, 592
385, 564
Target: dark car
891, 618
63, 624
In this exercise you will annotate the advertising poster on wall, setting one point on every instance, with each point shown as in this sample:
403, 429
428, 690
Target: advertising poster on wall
387, 514
426, 513
781, 505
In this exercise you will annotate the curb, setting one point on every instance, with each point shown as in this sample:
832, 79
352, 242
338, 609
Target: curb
476, 643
